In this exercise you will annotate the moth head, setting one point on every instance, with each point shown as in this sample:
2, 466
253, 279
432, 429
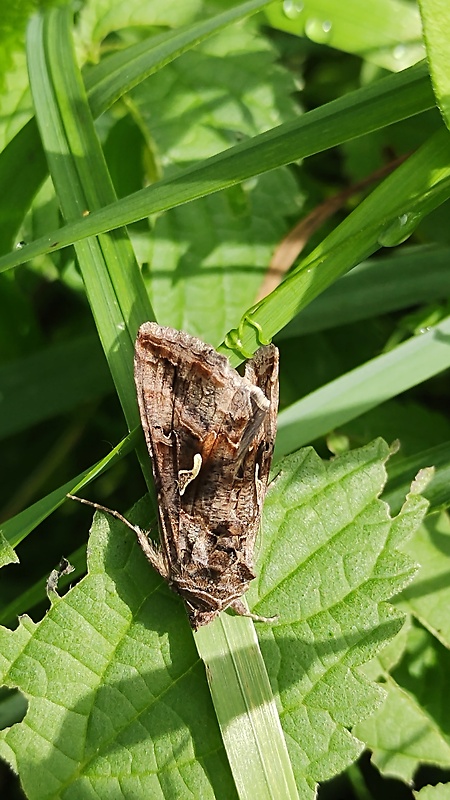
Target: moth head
201, 607
198, 618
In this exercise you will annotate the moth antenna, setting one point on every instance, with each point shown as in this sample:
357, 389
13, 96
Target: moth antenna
110, 511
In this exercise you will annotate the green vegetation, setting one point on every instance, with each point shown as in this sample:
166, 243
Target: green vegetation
193, 124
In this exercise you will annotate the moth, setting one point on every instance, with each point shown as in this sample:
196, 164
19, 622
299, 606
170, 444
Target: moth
210, 433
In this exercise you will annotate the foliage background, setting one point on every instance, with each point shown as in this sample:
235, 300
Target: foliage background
367, 358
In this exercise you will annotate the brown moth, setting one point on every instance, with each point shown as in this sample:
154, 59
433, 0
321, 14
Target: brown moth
210, 434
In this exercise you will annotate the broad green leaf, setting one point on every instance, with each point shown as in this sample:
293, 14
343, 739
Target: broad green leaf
402, 472
118, 700
389, 657
15, 100
412, 728
439, 792
117, 74
401, 736
136, 711
418, 429
428, 597
186, 95
94, 25
206, 261
22, 163
328, 561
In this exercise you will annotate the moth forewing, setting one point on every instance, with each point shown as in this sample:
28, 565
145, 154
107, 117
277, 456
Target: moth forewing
186, 476
262, 370
210, 433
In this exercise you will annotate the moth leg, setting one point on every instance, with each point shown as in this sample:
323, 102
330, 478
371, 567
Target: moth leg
239, 608
151, 552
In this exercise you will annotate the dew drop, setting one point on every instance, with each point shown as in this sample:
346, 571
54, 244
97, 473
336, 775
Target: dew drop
399, 52
292, 8
399, 230
250, 183
318, 30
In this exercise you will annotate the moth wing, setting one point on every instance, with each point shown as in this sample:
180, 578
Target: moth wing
263, 371
194, 404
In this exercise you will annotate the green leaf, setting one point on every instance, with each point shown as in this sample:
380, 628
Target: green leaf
385, 32
436, 22
439, 792
16, 529
7, 554
396, 97
206, 260
186, 95
246, 709
52, 381
95, 25
329, 560
401, 279
412, 726
364, 387
22, 163
416, 427
136, 711
428, 597
402, 472
118, 700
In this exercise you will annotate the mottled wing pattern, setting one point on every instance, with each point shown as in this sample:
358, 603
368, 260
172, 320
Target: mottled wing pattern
210, 434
